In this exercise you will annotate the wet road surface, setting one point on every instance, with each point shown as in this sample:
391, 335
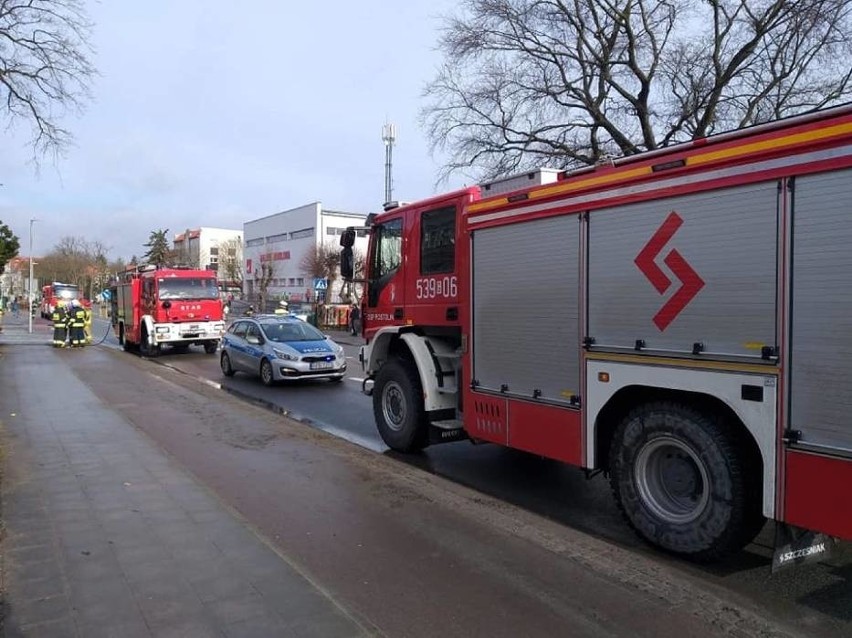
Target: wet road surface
817, 599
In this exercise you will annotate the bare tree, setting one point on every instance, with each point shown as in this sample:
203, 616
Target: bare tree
45, 70
564, 83
322, 261
74, 260
231, 261
263, 276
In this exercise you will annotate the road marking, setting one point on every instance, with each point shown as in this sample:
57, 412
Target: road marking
358, 379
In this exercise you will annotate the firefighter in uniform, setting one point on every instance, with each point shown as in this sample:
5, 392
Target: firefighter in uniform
60, 325
78, 323
87, 326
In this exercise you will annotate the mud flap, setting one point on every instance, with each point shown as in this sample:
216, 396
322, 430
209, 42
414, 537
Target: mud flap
796, 546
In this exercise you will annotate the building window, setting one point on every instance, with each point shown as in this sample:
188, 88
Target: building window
274, 238
300, 281
301, 234
255, 242
214, 250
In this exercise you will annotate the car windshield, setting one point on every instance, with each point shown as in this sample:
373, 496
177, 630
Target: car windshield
291, 331
187, 288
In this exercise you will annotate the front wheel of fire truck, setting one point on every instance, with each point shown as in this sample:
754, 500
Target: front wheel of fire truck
683, 482
398, 407
145, 348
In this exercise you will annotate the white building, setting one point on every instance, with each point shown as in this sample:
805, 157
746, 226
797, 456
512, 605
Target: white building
278, 244
15, 280
212, 249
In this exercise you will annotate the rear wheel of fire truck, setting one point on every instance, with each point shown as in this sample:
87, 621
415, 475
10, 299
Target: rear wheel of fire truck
225, 364
266, 373
398, 407
210, 347
122, 340
682, 480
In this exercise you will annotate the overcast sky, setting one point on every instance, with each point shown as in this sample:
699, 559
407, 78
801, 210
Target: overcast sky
213, 113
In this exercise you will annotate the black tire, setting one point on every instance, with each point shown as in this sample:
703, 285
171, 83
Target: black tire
122, 340
266, 372
211, 346
145, 349
682, 481
398, 407
225, 364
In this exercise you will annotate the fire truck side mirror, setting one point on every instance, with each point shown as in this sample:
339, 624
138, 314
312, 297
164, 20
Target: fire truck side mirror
347, 264
347, 238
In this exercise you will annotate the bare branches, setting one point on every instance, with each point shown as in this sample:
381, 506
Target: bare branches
44, 66
564, 82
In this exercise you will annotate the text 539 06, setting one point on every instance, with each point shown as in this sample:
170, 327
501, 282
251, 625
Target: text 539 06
435, 287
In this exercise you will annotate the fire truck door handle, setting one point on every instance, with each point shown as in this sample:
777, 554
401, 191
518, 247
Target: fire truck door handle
452, 314
397, 313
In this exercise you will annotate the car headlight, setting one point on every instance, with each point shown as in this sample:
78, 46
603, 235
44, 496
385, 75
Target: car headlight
339, 350
284, 355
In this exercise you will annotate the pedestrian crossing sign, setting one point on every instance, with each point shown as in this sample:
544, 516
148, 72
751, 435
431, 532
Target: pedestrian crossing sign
320, 283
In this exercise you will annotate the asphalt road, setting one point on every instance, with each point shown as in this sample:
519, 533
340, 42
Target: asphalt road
817, 599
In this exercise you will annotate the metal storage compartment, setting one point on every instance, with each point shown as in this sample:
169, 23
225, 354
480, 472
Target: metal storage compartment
525, 308
728, 238
821, 343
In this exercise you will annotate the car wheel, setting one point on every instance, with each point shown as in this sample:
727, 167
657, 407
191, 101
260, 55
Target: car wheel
225, 364
266, 374
398, 407
683, 483
210, 347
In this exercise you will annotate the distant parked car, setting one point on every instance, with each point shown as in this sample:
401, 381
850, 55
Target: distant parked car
280, 348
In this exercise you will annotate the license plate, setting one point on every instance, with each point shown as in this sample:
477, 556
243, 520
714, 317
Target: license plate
322, 365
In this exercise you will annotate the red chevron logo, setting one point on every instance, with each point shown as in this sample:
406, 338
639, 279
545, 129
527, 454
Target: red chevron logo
691, 283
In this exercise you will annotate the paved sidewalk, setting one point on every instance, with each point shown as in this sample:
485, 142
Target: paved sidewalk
107, 536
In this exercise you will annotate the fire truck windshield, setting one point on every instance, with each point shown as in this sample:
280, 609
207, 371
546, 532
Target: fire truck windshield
187, 288
66, 291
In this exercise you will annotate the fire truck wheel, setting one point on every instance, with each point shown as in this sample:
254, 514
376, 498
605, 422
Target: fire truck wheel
146, 349
398, 407
266, 373
683, 483
225, 364
211, 346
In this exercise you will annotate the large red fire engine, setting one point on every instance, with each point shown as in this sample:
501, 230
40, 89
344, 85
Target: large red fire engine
155, 307
679, 319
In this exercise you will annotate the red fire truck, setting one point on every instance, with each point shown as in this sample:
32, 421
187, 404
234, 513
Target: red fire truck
679, 319
155, 307
55, 293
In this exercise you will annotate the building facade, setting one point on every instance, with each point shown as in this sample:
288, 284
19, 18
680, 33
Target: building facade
219, 249
278, 249
15, 280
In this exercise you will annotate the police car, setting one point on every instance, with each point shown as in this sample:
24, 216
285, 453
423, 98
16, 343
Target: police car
280, 348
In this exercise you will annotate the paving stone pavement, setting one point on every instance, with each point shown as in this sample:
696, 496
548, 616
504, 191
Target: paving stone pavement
105, 535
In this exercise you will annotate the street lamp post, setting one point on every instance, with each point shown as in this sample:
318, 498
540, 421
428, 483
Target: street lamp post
30, 284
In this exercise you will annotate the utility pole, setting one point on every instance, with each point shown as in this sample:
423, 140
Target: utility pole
30, 283
389, 137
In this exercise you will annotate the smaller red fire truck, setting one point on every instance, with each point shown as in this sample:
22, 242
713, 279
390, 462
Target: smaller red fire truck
56, 293
155, 307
